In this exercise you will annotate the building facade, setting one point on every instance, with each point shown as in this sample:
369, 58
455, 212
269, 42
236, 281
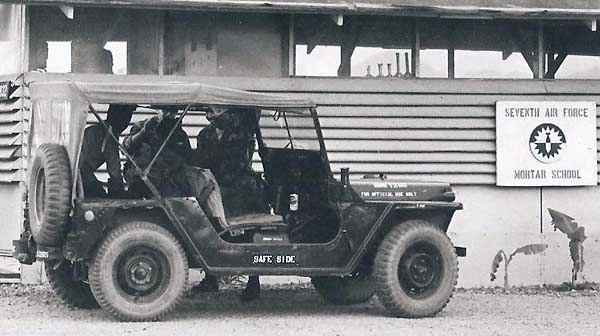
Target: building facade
407, 89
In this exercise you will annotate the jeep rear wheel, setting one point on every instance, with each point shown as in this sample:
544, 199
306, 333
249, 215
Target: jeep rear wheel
346, 290
416, 270
49, 194
69, 290
139, 272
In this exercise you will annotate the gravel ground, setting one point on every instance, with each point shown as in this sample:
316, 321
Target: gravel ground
296, 309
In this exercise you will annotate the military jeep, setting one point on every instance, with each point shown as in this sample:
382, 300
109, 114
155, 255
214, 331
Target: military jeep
354, 239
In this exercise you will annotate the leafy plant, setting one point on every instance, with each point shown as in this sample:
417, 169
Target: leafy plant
233, 281
576, 234
530, 249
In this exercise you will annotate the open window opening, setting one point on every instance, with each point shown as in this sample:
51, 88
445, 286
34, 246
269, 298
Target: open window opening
579, 67
357, 46
320, 61
353, 46
59, 57
381, 62
118, 51
490, 64
10, 38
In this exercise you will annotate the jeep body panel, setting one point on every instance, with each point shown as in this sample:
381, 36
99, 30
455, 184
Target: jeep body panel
360, 224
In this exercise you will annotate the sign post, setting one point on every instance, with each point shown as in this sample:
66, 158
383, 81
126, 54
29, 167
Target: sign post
546, 143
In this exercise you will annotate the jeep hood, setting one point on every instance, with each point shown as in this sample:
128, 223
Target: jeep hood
402, 190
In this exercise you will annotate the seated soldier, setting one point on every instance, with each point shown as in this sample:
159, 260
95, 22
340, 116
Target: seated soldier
226, 147
98, 148
170, 173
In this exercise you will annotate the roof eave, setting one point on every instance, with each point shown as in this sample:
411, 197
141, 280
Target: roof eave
341, 7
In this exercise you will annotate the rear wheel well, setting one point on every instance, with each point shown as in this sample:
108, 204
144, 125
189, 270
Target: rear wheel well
151, 215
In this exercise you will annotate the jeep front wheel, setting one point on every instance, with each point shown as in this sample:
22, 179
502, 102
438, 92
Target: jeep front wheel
139, 272
416, 270
351, 289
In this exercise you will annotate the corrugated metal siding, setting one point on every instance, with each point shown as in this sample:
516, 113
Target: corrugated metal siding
442, 131
11, 135
419, 129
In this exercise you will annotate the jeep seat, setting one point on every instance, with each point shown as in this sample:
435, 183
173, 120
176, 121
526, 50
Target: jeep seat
254, 221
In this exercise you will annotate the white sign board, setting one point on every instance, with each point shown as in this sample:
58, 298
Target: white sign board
546, 143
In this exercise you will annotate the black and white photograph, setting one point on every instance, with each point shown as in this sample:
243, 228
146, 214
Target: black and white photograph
299, 167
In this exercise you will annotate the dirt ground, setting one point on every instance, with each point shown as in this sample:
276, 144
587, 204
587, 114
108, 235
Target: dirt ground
296, 309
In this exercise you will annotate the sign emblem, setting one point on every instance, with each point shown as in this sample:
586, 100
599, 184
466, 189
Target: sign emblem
546, 142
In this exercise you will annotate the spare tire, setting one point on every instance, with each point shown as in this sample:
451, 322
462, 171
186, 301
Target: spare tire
49, 194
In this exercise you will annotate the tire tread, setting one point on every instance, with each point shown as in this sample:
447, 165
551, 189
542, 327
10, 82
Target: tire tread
71, 292
385, 277
55, 161
103, 249
344, 291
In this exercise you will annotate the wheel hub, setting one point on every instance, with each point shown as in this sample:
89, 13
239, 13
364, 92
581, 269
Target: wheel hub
140, 272
420, 269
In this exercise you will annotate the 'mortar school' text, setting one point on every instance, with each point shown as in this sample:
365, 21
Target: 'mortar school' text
542, 174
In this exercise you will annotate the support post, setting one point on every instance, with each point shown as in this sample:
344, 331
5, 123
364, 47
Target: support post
554, 63
25, 38
161, 43
528, 50
540, 52
416, 50
451, 56
350, 35
292, 46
